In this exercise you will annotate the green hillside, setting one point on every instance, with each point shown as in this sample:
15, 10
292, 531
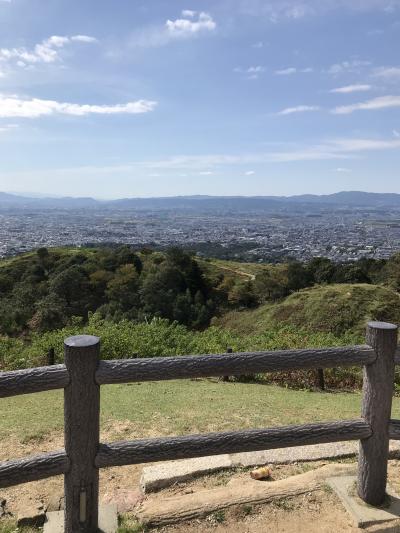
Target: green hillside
330, 308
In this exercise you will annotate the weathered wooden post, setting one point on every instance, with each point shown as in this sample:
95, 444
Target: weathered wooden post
51, 357
320, 378
81, 412
378, 383
226, 378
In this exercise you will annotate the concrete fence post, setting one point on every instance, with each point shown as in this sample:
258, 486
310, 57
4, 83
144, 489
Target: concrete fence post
81, 425
378, 384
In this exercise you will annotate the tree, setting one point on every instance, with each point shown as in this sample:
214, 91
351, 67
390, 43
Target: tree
72, 287
298, 276
50, 314
321, 270
123, 288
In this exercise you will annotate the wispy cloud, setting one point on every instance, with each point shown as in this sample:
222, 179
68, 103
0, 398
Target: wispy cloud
388, 73
345, 149
353, 66
343, 170
13, 106
8, 127
299, 109
47, 51
278, 10
396, 134
249, 173
251, 73
382, 102
292, 70
352, 89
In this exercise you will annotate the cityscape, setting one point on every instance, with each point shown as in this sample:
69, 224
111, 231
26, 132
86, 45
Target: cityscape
300, 232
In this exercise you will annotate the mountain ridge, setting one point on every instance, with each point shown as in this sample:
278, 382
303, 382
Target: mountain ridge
343, 198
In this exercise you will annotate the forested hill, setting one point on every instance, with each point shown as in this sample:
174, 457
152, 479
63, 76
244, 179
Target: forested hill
46, 289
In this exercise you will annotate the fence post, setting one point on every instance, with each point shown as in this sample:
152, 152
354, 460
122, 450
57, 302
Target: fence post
81, 425
378, 383
51, 357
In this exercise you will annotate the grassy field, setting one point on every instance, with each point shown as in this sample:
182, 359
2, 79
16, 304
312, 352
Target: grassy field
180, 407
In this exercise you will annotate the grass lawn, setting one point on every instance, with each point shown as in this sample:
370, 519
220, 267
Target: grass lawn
181, 407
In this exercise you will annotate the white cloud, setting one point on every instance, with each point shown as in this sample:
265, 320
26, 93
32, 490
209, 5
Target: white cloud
382, 102
185, 27
189, 13
84, 39
396, 134
299, 109
206, 173
343, 170
388, 73
293, 70
259, 44
352, 89
249, 173
13, 106
48, 51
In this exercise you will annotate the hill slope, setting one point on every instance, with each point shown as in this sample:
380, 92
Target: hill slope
330, 308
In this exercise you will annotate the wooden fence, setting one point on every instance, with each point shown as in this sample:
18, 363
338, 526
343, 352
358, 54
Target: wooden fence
83, 456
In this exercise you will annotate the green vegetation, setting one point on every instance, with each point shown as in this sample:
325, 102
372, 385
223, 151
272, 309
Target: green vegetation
159, 337
44, 290
337, 309
146, 303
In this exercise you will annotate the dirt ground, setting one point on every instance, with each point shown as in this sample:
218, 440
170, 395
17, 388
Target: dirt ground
314, 512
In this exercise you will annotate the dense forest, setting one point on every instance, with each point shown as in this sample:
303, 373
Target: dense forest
45, 289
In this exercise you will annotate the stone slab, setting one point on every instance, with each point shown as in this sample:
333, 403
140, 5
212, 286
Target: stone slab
162, 475
364, 515
312, 452
108, 520
165, 474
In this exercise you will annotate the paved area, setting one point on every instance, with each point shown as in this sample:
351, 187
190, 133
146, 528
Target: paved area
364, 515
108, 520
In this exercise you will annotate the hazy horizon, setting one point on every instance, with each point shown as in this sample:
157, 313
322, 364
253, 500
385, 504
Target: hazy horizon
238, 97
31, 194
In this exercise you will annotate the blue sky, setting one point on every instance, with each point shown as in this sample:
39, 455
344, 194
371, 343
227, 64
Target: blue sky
228, 97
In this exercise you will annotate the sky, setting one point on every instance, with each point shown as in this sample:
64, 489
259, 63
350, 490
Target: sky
138, 98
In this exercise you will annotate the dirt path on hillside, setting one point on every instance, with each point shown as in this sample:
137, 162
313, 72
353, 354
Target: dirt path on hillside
251, 277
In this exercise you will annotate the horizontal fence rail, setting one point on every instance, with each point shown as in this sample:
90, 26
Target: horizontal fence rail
167, 448
197, 366
84, 454
33, 468
38, 379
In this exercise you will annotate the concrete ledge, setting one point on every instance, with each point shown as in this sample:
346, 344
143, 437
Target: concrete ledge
163, 475
108, 520
364, 515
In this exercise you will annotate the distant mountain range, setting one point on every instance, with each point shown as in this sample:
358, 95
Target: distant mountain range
340, 199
